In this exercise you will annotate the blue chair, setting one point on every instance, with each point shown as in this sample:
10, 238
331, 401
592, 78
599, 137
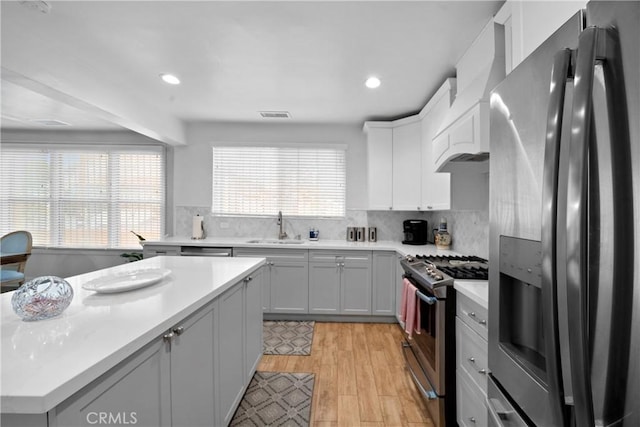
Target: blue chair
15, 249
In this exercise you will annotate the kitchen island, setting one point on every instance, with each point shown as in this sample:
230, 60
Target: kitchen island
149, 356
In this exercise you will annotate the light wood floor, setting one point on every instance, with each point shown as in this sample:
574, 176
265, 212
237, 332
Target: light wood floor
360, 378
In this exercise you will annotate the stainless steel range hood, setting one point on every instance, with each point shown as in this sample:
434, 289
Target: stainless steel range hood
463, 136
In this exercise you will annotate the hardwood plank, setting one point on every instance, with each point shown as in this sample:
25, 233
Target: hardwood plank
391, 411
347, 384
326, 404
382, 377
370, 409
360, 346
348, 414
345, 337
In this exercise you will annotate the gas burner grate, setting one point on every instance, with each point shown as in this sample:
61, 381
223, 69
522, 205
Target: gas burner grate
466, 272
459, 267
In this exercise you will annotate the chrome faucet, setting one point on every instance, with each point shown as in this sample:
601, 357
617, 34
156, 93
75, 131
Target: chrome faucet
281, 234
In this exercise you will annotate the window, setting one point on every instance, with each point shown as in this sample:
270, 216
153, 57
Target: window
262, 180
83, 196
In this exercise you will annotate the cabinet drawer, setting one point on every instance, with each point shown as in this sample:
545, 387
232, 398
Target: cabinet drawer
473, 314
339, 256
274, 255
471, 411
471, 352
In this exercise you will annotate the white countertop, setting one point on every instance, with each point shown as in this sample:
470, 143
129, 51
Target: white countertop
242, 242
477, 290
45, 362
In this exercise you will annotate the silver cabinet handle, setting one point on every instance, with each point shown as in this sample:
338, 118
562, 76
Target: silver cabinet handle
168, 337
472, 314
472, 359
179, 330
472, 419
482, 371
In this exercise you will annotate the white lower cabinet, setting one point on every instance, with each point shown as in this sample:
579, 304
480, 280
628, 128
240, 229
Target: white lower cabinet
138, 390
240, 343
193, 375
472, 362
231, 360
383, 282
340, 282
285, 278
399, 283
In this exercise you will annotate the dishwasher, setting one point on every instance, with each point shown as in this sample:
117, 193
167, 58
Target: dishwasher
205, 251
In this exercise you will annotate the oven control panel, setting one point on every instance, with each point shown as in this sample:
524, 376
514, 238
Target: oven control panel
425, 273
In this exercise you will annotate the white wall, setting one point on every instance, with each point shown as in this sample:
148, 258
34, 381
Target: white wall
192, 164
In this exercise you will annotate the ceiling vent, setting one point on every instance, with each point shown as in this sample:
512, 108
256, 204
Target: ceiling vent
49, 122
275, 114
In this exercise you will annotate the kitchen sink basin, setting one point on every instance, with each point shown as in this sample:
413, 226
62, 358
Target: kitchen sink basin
275, 242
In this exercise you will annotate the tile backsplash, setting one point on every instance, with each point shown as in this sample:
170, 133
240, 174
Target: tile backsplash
469, 229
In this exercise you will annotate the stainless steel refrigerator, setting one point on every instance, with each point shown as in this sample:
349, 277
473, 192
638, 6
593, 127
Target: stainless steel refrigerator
564, 281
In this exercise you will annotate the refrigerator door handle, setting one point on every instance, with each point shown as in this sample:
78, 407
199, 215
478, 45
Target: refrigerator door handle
559, 74
577, 229
585, 246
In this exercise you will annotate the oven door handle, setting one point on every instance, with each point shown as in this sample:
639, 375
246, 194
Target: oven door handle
426, 298
429, 394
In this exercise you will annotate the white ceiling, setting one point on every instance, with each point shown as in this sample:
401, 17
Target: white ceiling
95, 64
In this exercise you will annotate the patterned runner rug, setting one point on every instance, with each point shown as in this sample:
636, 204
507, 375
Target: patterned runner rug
276, 399
287, 337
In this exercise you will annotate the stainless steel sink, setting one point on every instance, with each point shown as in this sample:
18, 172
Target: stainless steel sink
275, 242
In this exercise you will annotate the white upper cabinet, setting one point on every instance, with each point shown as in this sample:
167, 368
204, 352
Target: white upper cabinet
528, 23
401, 175
407, 165
379, 165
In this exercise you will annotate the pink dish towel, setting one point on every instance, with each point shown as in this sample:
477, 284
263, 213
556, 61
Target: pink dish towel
412, 311
403, 300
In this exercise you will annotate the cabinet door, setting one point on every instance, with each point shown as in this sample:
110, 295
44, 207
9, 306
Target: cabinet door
289, 287
379, 163
324, 286
355, 284
253, 322
399, 286
407, 163
137, 391
231, 365
384, 283
192, 369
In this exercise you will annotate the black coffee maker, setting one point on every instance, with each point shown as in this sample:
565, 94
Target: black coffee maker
416, 232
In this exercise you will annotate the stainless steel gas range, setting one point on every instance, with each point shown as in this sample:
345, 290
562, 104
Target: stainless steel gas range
430, 354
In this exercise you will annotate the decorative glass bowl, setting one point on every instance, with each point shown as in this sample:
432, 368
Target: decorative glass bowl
42, 298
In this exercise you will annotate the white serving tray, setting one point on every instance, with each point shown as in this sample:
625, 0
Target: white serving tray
126, 281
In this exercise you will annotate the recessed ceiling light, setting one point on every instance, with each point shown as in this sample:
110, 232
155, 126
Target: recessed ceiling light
170, 78
372, 82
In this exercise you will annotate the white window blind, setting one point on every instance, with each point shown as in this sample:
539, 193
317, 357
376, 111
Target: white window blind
298, 181
83, 196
